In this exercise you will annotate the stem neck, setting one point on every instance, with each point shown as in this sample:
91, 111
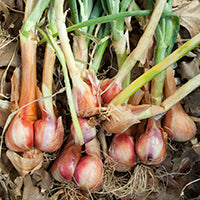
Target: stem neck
28, 76
49, 61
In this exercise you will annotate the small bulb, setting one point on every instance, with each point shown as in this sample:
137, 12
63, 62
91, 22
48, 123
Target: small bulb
122, 152
150, 147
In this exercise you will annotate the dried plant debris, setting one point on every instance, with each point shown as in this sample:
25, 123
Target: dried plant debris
32, 192
189, 15
9, 51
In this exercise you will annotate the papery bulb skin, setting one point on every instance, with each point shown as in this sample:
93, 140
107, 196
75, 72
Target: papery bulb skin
150, 147
110, 89
19, 136
178, 125
63, 168
122, 152
49, 133
89, 173
85, 100
88, 131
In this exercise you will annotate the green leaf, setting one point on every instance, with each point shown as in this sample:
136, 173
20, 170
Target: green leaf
33, 18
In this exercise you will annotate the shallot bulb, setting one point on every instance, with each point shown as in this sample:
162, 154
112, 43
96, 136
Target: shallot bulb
89, 171
63, 168
19, 135
48, 131
110, 88
178, 125
88, 131
121, 152
150, 147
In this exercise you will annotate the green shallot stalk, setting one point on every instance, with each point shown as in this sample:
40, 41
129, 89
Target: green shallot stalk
48, 131
84, 93
157, 69
87, 10
146, 147
113, 87
20, 133
118, 36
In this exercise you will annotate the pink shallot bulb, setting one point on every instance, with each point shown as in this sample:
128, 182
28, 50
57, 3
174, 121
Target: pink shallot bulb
19, 136
63, 168
48, 131
89, 171
121, 152
110, 89
88, 132
150, 147
178, 125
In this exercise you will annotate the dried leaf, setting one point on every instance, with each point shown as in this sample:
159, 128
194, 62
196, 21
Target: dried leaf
31, 192
120, 119
4, 112
26, 163
189, 15
4, 9
8, 53
190, 69
43, 179
18, 186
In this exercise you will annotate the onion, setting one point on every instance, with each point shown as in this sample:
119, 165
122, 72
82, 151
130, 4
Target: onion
122, 152
150, 147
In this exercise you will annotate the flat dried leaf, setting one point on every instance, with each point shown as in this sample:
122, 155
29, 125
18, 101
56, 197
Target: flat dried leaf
8, 53
189, 15
26, 163
10, 3
43, 179
190, 69
31, 192
17, 191
4, 9
4, 112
